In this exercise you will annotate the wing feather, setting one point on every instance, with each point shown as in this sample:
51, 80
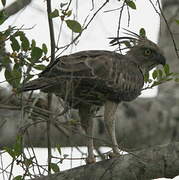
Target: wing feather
94, 74
73, 63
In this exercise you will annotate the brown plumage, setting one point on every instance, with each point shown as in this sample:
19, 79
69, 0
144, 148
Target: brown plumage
88, 79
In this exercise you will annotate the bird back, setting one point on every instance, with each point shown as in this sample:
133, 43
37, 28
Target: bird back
91, 76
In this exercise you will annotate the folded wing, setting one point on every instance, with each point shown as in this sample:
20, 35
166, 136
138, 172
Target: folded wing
92, 76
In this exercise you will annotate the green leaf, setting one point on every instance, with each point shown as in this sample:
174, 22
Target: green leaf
18, 33
54, 14
177, 21
14, 44
155, 74
6, 61
9, 151
59, 149
69, 13
3, 16
142, 32
25, 42
160, 73
8, 76
127, 44
176, 79
131, 4
18, 178
16, 74
168, 79
18, 146
8, 31
13, 77
33, 43
156, 83
3, 2
36, 53
55, 167
40, 67
166, 69
44, 48
74, 26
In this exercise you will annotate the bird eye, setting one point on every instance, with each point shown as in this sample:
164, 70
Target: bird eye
147, 52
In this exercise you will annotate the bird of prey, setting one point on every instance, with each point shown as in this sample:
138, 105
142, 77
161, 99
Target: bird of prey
90, 79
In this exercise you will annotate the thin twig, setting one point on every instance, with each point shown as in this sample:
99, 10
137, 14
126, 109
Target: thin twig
104, 4
52, 41
84, 28
2, 166
120, 17
154, 7
59, 34
12, 166
34, 155
51, 29
111, 10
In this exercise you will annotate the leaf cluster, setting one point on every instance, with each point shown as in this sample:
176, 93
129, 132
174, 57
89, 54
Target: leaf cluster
160, 76
64, 13
24, 57
16, 150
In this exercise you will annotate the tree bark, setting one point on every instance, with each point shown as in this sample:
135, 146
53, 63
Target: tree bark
156, 162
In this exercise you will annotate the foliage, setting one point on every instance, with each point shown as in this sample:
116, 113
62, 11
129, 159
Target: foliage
24, 57
131, 4
160, 76
64, 14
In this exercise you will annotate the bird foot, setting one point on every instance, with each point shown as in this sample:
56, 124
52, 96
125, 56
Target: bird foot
112, 155
90, 160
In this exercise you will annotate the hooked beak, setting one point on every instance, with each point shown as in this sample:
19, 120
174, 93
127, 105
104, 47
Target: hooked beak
161, 59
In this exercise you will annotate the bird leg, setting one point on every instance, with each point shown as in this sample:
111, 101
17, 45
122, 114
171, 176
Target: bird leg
109, 121
86, 113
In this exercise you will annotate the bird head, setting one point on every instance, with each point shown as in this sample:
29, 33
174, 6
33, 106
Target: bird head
145, 53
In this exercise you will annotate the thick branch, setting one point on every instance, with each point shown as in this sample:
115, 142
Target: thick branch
156, 162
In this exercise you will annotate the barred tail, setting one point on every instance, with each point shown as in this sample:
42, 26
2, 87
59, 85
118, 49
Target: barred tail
40, 83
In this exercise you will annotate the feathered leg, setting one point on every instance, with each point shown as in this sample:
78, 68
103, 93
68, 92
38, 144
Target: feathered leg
86, 113
109, 112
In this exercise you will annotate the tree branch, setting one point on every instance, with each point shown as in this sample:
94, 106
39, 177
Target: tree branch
51, 29
156, 162
52, 42
16, 6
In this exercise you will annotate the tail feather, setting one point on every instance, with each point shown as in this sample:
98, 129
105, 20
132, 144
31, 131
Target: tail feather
40, 83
